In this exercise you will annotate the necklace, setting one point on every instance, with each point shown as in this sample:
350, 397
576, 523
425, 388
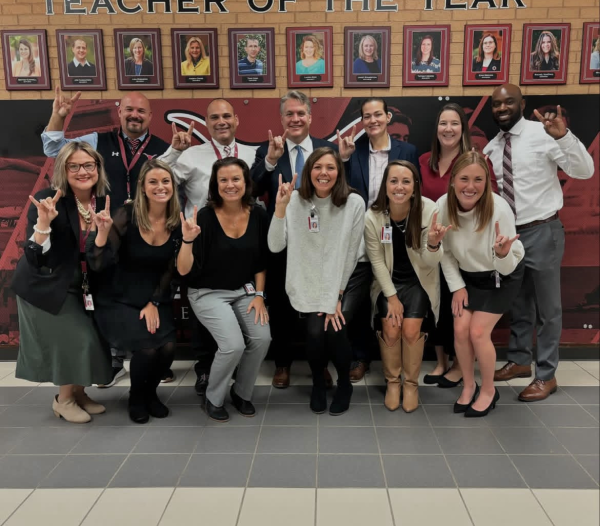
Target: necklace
86, 215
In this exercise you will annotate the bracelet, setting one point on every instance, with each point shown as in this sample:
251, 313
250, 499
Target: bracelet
434, 247
340, 297
43, 232
187, 242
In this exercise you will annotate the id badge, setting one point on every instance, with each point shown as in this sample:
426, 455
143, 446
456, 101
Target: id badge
313, 223
249, 288
497, 276
386, 234
88, 302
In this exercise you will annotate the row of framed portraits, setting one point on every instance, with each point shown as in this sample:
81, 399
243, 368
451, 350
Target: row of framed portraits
367, 53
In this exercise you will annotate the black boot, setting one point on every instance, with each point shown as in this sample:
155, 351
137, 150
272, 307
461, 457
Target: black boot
218, 414
341, 399
155, 407
138, 412
318, 396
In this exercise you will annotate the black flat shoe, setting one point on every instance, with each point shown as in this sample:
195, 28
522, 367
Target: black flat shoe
432, 379
244, 407
473, 413
461, 408
218, 414
444, 383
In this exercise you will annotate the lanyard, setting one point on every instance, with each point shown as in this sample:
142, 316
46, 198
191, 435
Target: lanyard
133, 161
82, 240
218, 153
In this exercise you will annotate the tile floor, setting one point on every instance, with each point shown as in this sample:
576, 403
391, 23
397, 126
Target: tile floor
533, 464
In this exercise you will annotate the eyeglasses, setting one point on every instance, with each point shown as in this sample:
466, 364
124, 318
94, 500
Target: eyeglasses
75, 167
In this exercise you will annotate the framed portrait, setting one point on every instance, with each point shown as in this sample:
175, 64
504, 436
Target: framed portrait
195, 58
426, 55
545, 54
26, 59
310, 57
81, 59
252, 58
138, 56
590, 54
367, 57
486, 58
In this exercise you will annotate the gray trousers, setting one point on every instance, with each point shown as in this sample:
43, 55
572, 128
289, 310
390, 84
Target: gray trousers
242, 343
540, 294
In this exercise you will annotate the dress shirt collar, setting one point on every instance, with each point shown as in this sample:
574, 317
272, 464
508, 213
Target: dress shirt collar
386, 149
221, 147
77, 63
306, 144
517, 128
141, 137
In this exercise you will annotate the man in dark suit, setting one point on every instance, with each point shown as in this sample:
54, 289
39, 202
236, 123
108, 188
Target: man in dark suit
285, 155
80, 66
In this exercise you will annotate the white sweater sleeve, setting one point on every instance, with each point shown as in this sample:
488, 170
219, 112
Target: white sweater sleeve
277, 237
358, 227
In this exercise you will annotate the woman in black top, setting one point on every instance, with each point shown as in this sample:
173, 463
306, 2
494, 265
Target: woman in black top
136, 253
224, 256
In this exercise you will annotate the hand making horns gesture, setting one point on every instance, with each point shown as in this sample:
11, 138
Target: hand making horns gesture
46, 208
102, 219
189, 227
276, 147
437, 231
346, 144
182, 140
284, 193
553, 123
503, 243
62, 105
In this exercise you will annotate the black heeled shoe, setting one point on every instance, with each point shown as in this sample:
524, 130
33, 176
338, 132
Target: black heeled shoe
461, 408
473, 413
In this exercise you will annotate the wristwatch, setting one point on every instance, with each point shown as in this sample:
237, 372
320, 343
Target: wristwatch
155, 303
261, 293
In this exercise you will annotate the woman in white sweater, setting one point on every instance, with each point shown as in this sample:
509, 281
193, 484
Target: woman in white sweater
481, 264
403, 241
321, 224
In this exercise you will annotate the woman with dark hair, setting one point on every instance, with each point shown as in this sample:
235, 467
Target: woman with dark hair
546, 56
26, 65
196, 61
135, 254
451, 139
488, 56
224, 258
368, 60
403, 242
59, 342
482, 265
137, 64
595, 58
320, 260
424, 61
311, 57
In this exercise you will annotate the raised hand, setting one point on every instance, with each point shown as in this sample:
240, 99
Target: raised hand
346, 144
189, 227
437, 231
284, 193
102, 219
46, 209
62, 105
553, 123
182, 140
276, 147
503, 243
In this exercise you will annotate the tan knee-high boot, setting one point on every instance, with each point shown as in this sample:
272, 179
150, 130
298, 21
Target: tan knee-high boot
412, 357
391, 358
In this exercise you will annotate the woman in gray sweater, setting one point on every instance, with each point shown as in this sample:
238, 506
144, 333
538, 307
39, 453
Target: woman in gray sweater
321, 225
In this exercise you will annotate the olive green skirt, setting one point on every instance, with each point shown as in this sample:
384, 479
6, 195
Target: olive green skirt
64, 348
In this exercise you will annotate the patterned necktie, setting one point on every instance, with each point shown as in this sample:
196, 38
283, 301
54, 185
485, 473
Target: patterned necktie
134, 144
508, 191
227, 150
299, 164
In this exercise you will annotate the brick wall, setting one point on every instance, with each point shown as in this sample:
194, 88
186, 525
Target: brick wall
30, 14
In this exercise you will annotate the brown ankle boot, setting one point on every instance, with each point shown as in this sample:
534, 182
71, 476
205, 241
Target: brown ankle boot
391, 359
87, 404
70, 411
412, 357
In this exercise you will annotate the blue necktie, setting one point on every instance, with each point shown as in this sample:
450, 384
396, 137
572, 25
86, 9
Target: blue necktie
299, 164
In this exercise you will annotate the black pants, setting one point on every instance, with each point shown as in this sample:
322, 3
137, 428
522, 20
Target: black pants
443, 334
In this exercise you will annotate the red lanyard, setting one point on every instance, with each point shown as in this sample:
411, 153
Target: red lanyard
218, 153
133, 161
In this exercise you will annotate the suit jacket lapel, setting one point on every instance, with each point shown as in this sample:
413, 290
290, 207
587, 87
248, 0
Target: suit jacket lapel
395, 151
73, 215
363, 159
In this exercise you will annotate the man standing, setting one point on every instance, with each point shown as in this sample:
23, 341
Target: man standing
192, 167
80, 66
250, 65
283, 155
526, 156
124, 152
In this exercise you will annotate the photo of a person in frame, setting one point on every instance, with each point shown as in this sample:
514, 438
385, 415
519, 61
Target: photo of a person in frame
546, 56
79, 66
487, 57
311, 57
251, 64
424, 60
197, 62
595, 59
368, 60
26, 63
137, 64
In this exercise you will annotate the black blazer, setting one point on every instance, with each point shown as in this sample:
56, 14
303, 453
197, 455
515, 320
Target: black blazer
357, 167
147, 68
493, 67
43, 279
265, 181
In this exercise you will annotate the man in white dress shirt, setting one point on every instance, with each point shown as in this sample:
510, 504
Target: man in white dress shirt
526, 156
192, 166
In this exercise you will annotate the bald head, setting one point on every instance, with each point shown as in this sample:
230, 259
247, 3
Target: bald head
221, 121
135, 114
507, 106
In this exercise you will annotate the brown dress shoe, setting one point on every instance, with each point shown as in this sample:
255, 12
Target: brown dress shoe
538, 390
281, 378
358, 371
512, 370
328, 379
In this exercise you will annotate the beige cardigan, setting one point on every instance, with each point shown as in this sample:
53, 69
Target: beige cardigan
381, 255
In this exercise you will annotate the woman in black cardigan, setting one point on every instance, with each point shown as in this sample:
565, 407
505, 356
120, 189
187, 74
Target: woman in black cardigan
58, 339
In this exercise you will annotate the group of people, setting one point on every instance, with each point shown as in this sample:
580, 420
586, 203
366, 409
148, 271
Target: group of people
356, 235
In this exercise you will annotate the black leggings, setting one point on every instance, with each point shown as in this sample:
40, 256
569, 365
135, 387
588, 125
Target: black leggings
324, 345
148, 365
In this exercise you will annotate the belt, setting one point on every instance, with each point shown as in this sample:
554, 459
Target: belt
538, 222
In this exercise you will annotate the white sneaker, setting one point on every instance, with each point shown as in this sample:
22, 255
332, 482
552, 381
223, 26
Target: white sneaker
118, 372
